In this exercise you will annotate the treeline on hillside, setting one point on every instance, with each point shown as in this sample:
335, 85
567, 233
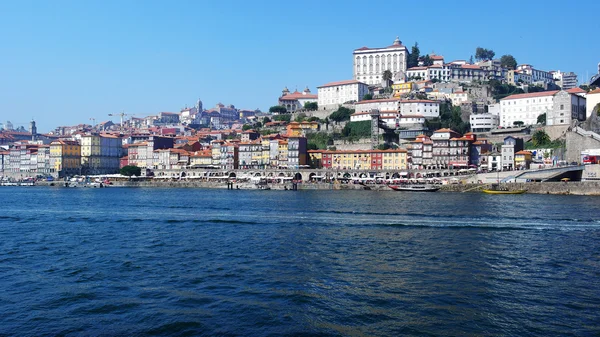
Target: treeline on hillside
352, 131
450, 117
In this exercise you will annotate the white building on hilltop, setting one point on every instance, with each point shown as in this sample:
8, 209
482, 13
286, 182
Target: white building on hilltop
296, 100
370, 63
525, 107
537, 76
331, 95
420, 107
565, 80
560, 108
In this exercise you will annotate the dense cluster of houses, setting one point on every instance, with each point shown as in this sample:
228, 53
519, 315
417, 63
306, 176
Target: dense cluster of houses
97, 153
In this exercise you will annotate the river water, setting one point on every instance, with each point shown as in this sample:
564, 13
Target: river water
133, 261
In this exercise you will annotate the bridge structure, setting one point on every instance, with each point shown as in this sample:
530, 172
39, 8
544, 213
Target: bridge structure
573, 173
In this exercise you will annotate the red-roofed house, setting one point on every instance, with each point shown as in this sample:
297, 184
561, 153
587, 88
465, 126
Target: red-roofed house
296, 100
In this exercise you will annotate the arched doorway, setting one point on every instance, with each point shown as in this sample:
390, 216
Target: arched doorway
232, 175
298, 177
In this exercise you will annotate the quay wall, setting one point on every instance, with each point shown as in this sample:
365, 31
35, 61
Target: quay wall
562, 188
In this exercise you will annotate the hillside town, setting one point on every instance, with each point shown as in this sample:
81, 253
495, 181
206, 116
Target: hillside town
400, 111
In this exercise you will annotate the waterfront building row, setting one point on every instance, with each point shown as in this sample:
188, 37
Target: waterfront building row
89, 154
359, 159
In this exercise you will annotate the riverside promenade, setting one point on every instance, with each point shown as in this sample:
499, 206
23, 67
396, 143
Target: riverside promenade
560, 188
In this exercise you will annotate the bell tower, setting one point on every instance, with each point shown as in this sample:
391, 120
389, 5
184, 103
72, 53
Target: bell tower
32, 130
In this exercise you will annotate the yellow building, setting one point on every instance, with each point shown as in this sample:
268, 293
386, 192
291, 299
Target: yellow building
294, 130
402, 88
201, 158
523, 159
309, 126
65, 157
264, 143
351, 160
394, 159
283, 153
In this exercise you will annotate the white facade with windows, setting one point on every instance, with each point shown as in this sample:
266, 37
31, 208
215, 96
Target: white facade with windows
565, 80
383, 105
331, 95
537, 76
370, 63
525, 107
436, 71
484, 122
426, 108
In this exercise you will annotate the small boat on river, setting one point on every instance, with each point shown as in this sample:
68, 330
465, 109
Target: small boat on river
414, 187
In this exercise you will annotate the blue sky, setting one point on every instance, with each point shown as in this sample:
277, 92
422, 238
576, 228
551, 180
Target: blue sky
64, 62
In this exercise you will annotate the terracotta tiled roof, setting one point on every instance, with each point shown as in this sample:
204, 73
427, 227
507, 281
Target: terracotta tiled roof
297, 95
576, 90
444, 130
379, 100
333, 84
530, 95
596, 91
418, 101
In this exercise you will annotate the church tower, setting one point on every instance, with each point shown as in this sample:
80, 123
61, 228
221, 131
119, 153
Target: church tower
32, 130
199, 105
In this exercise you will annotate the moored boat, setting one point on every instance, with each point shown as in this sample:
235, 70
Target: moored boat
497, 189
414, 187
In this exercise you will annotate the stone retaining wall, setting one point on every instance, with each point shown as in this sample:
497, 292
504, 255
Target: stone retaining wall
572, 188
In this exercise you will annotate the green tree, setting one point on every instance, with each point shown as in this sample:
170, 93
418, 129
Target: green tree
367, 97
246, 127
541, 119
318, 140
300, 117
284, 117
387, 75
535, 88
588, 87
471, 60
311, 106
540, 138
131, 170
413, 58
484, 54
357, 130
258, 125
508, 61
427, 61
277, 109
341, 114
518, 123
266, 120
597, 109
